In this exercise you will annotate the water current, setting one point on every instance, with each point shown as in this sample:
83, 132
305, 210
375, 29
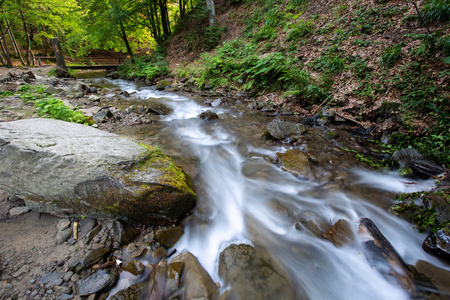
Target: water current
245, 198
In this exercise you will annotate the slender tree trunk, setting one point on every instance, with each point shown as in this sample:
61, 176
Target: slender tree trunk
13, 40
5, 47
211, 12
123, 35
164, 17
29, 53
158, 19
182, 8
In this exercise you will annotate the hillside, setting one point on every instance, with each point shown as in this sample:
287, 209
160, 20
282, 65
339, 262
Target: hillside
373, 62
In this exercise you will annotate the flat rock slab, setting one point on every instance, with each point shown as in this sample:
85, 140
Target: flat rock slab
70, 169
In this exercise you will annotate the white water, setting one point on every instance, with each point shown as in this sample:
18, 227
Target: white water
236, 205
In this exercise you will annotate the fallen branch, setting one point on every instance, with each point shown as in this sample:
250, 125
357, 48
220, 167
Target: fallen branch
350, 119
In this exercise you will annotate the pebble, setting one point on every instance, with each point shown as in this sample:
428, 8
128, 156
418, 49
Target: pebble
63, 224
75, 278
67, 276
62, 289
16, 211
33, 281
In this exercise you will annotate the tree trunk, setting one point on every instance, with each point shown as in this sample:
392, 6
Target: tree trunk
5, 47
211, 12
182, 7
123, 35
29, 53
58, 53
13, 40
164, 17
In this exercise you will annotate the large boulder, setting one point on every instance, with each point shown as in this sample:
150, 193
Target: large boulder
72, 169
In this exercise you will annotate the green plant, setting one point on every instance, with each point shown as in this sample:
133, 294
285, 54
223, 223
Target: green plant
437, 11
4, 94
303, 29
391, 55
212, 36
144, 67
54, 108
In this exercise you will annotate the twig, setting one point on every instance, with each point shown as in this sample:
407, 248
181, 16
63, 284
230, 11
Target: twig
350, 119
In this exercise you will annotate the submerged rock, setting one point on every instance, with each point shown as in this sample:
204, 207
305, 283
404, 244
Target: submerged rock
340, 234
73, 169
168, 237
253, 274
158, 108
281, 130
208, 115
296, 162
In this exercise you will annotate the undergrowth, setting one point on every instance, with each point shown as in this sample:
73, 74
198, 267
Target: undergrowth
149, 67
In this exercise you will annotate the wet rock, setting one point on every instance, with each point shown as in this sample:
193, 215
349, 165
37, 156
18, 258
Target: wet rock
281, 129
87, 260
208, 115
86, 171
438, 277
102, 116
17, 211
157, 281
195, 280
159, 252
168, 237
174, 272
98, 282
63, 224
438, 202
296, 162
268, 108
134, 267
252, 274
158, 108
405, 157
438, 244
216, 102
311, 222
424, 167
340, 234
123, 232
329, 114
163, 84
330, 134
63, 235
133, 292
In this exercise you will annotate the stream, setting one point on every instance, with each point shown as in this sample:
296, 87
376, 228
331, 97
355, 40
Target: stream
244, 197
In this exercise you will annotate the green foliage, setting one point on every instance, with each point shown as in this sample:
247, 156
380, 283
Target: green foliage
391, 55
302, 85
212, 36
266, 33
54, 108
303, 29
144, 67
31, 93
360, 68
437, 11
4, 94
423, 215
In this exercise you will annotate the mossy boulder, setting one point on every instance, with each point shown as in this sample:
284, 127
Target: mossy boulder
71, 169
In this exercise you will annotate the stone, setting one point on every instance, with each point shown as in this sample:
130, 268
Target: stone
64, 297
438, 244
62, 289
90, 235
87, 260
438, 277
86, 225
67, 276
174, 272
51, 277
63, 224
216, 102
100, 281
281, 129
195, 280
340, 234
91, 111
64, 235
133, 292
311, 222
159, 252
208, 115
123, 232
53, 90
296, 162
169, 237
163, 84
252, 274
73, 169
94, 98
134, 267
102, 116
17, 211
158, 108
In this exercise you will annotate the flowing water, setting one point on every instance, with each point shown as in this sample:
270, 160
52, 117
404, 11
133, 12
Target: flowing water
245, 198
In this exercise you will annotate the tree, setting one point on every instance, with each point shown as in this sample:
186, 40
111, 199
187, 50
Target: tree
211, 12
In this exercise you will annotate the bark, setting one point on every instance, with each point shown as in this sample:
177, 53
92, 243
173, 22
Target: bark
4, 47
13, 40
182, 8
58, 53
29, 53
123, 35
211, 12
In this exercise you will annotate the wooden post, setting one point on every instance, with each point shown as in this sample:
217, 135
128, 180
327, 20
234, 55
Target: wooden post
58, 53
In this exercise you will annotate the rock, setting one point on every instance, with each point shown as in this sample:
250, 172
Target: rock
158, 108
94, 98
168, 237
52, 90
438, 202
81, 87
296, 162
16, 211
63, 235
330, 134
208, 115
281, 129
195, 280
340, 234
69, 168
438, 244
85, 226
405, 157
157, 281
90, 235
174, 272
216, 102
51, 277
62, 73
311, 222
62, 289
98, 282
87, 260
133, 292
438, 277
163, 84
64, 297
102, 116
29, 74
427, 168
159, 252
123, 232
134, 267
67, 276
252, 274
91, 111
63, 224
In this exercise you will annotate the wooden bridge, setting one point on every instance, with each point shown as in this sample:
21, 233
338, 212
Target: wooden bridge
86, 63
